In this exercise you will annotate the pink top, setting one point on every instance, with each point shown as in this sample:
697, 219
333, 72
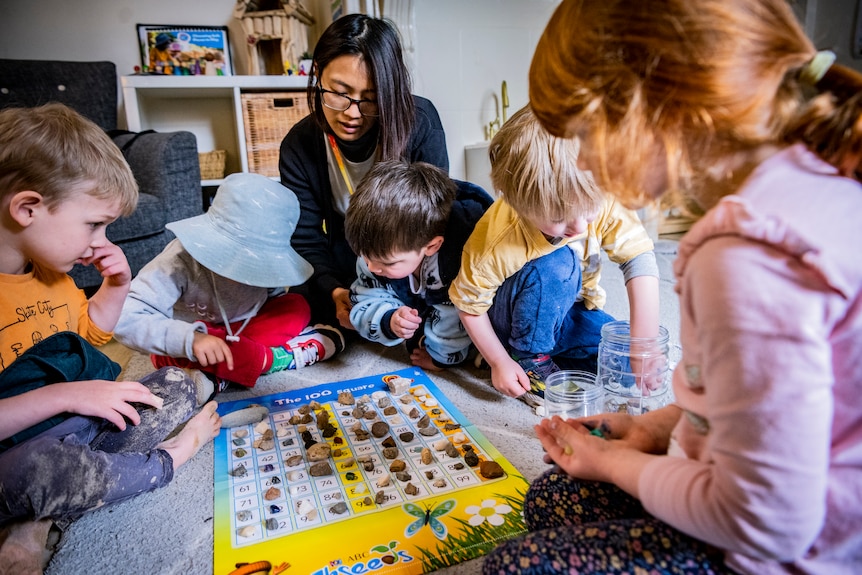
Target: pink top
771, 376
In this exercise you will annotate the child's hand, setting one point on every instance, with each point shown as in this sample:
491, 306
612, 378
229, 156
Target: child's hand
210, 350
343, 305
404, 322
509, 378
110, 400
573, 448
421, 358
111, 263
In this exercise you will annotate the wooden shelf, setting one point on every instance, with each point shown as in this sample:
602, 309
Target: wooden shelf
208, 106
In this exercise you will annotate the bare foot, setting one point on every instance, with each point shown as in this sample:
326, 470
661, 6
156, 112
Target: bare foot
421, 358
197, 432
23, 548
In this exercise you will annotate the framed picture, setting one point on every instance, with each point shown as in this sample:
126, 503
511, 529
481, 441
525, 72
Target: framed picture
184, 50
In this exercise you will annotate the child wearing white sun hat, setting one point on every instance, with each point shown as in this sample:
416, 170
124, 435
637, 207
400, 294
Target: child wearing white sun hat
215, 299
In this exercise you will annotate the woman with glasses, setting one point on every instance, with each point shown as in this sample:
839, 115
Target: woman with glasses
362, 111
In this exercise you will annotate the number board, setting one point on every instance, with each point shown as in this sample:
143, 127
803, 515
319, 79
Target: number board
378, 474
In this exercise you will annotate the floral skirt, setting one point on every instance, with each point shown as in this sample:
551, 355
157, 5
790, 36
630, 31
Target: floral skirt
579, 527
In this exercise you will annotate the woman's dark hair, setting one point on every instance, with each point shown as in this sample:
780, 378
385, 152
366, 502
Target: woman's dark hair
377, 42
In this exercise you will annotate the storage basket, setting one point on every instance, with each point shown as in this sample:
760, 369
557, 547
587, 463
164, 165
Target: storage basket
212, 164
267, 118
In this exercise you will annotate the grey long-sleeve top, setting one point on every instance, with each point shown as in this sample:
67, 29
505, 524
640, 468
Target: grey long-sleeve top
171, 298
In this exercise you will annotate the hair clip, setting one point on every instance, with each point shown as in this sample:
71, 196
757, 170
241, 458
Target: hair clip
817, 67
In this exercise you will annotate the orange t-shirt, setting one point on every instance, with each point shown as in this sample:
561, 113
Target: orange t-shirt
38, 304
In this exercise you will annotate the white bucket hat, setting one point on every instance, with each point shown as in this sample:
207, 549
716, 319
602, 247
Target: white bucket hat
245, 234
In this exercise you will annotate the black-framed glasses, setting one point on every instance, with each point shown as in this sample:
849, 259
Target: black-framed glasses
340, 102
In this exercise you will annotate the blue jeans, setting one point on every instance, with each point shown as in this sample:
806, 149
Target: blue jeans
85, 462
535, 312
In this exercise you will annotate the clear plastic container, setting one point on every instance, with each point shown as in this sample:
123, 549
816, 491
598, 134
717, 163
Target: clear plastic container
572, 394
634, 372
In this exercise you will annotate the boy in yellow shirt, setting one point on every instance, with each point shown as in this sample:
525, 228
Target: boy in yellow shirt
528, 291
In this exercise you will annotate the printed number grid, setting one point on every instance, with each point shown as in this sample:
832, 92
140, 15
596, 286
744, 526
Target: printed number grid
271, 499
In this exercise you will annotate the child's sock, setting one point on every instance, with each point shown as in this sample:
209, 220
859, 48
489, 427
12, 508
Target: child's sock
315, 343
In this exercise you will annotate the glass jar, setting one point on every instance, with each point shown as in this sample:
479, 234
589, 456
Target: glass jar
572, 394
634, 372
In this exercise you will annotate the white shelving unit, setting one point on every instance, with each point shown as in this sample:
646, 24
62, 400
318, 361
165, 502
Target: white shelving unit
208, 106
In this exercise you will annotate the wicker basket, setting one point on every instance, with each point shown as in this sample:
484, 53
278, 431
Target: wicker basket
267, 118
212, 164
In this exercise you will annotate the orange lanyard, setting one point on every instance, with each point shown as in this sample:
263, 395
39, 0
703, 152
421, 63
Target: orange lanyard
340, 162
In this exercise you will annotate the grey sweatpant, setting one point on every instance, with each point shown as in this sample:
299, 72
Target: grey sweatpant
84, 462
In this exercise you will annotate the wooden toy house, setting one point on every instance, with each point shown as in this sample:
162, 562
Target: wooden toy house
276, 33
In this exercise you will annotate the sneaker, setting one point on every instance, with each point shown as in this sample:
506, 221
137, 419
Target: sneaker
315, 343
537, 368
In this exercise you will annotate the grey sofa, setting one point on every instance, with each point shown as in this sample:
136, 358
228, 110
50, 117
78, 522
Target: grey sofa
165, 165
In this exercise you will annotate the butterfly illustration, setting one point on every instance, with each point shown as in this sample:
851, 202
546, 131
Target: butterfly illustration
428, 516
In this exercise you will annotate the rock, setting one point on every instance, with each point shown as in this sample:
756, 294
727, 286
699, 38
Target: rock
426, 456
440, 483
471, 459
338, 508
397, 465
264, 444
383, 481
379, 497
411, 489
441, 444
246, 531
406, 437
388, 442
320, 469
293, 460
379, 429
319, 452
424, 421
398, 385
272, 493
361, 435
403, 476
390, 452
271, 524
244, 515
250, 414
490, 470
429, 431
384, 402
389, 410
346, 398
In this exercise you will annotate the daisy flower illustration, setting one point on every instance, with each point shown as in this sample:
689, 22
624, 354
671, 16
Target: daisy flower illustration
488, 511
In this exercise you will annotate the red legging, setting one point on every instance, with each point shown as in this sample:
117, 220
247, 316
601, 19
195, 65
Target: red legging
278, 320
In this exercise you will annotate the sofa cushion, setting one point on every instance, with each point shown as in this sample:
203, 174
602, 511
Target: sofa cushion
148, 219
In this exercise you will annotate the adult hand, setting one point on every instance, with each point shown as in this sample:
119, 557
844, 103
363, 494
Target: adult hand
343, 305
111, 263
404, 322
211, 350
110, 400
508, 377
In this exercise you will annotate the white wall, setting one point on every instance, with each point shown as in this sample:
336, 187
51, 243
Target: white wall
464, 49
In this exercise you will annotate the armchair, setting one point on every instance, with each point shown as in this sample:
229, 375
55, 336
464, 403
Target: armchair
165, 165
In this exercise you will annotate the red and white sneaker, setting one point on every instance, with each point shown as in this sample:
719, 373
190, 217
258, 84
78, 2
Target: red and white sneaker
315, 343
